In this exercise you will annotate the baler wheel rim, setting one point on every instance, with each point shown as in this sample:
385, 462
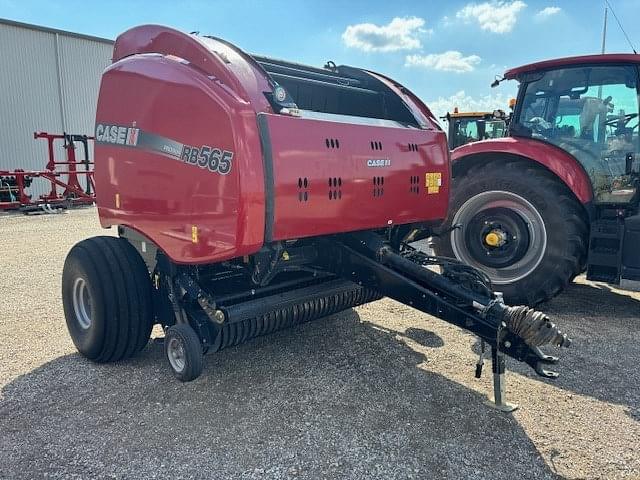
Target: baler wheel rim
81, 298
175, 353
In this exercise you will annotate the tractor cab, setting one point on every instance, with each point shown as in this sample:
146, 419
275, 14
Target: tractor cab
591, 112
467, 127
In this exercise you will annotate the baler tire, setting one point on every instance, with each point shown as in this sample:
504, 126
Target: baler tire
106, 295
186, 365
564, 220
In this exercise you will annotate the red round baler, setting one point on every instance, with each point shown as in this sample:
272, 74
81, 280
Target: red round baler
251, 194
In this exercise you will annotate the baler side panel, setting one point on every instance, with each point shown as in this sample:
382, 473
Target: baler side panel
332, 177
194, 213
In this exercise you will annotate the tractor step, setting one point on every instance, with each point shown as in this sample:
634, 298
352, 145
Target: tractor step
605, 250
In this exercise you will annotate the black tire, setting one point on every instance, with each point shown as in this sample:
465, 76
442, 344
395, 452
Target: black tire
563, 217
188, 365
119, 309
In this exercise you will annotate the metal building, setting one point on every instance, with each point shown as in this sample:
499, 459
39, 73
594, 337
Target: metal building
49, 81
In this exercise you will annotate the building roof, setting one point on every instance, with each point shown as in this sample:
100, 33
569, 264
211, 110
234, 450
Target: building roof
607, 58
4, 21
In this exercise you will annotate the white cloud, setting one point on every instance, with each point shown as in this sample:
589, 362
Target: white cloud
548, 12
451, 61
495, 16
399, 34
467, 103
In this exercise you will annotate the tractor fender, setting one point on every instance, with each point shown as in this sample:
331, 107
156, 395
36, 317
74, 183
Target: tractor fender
554, 159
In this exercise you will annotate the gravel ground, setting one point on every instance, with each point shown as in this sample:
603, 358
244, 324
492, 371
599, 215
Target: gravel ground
381, 391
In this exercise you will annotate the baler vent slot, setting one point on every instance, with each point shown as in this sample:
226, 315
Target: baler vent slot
378, 187
303, 192
335, 188
332, 142
335, 182
413, 147
376, 145
415, 183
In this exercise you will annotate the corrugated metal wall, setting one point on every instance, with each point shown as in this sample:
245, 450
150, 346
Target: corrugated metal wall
48, 82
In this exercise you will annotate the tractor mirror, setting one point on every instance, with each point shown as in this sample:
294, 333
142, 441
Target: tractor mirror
497, 81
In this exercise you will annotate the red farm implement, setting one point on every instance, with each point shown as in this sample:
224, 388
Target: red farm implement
63, 175
251, 194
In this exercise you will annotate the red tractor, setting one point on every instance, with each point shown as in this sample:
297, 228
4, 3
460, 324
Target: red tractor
252, 194
558, 195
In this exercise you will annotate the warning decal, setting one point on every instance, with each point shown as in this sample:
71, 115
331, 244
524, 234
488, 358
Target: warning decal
433, 182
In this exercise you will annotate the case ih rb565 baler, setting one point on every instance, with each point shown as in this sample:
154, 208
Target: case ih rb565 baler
252, 194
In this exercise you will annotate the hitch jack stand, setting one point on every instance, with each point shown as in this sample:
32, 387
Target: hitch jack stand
499, 394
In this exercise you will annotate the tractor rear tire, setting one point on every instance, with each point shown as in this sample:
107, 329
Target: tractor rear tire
536, 235
106, 295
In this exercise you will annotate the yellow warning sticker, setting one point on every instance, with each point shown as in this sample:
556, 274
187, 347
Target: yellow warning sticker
194, 234
433, 182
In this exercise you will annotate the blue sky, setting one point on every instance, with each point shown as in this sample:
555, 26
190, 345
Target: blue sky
447, 52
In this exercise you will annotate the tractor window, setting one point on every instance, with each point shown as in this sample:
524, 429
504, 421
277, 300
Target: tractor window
592, 113
465, 131
494, 129
473, 129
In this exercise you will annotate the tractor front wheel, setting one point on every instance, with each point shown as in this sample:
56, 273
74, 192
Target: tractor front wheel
520, 225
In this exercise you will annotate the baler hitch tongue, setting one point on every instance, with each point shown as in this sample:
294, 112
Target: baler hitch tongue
460, 295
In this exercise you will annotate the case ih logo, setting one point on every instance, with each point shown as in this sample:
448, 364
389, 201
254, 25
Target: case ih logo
208, 158
379, 162
117, 134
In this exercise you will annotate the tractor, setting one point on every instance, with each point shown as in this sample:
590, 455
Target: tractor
467, 127
251, 194
558, 195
